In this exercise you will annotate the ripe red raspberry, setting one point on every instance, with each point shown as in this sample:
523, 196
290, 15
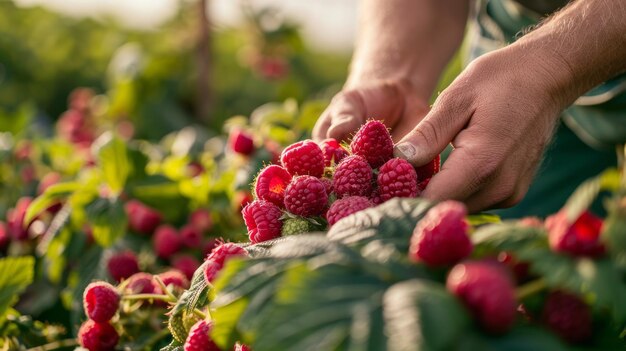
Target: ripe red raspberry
262, 219
199, 339
97, 336
353, 176
218, 258
306, 196
15, 219
487, 291
166, 241
345, 207
580, 238
375, 197
175, 278
441, 237
397, 178
422, 185
373, 142
567, 316
201, 219
241, 142
303, 158
333, 152
428, 170
271, 183
142, 283
328, 184
4, 236
100, 301
186, 264
520, 269
122, 265
190, 236
141, 218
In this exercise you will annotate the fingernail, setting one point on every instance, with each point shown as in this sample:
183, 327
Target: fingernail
404, 150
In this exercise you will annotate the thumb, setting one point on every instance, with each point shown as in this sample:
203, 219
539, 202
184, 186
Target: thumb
429, 138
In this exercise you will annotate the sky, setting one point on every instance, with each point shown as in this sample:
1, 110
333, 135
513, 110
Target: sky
328, 25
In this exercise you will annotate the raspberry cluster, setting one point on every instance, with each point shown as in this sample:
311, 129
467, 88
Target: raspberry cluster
100, 301
319, 184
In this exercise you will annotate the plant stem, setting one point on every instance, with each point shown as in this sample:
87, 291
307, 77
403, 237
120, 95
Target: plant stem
55, 345
530, 288
133, 297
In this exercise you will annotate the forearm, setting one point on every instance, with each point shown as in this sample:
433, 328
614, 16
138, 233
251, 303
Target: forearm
407, 39
584, 45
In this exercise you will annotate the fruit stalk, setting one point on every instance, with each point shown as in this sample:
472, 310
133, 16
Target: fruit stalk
530, 288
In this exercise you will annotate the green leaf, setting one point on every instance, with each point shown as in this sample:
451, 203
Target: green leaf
614, 230
587, 192
113, 161
528, 338
51, 196
392, 222
108, 220
16, 273
422, 315
173, 346
483, 218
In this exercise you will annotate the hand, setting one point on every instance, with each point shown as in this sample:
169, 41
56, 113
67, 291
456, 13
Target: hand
499, 114
395, 102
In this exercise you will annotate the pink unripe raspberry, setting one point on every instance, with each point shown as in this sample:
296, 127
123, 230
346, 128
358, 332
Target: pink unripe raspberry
201, 219
333, 152
353, 177
141, 218
306, 196
175, 278
373, 142
97, 336
487, 291
166, 241
100, 301
186, 264
397, 178
271, 183
199, 338
345, 207
580, 237
441, 237
303, 158
142, 283
262, 219
122, 265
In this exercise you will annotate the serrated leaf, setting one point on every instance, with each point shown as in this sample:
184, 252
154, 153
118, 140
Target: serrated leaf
108, 220
113, 161
173, 346
422, 315
16, 273
391, 222
51, 196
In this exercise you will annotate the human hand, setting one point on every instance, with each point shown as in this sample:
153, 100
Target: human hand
396, 103
499, 114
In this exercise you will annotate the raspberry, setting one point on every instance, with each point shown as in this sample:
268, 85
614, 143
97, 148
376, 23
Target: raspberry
122, 265
580, 238
353, 176
201, 219
293, 226
199, 338
328, 184
262, 219
141, 218
166, 241
271, 183
375, 197
422, 185
487, 291
373, 142
209, 245
175, 278
241, 142
186, 264
397, 178
428, 170
15, 219
218, 257
567, 316
441, 237
190, 236
141, 283
521, 270
97, 336
4, 236
303, 158
306, 196
333, 152
345, 207
100, 301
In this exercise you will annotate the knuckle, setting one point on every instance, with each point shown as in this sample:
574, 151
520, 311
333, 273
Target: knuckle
428, 132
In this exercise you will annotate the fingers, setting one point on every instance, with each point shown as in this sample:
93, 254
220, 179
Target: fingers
449, 116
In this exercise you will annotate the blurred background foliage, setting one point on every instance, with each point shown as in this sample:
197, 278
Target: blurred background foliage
150, 76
